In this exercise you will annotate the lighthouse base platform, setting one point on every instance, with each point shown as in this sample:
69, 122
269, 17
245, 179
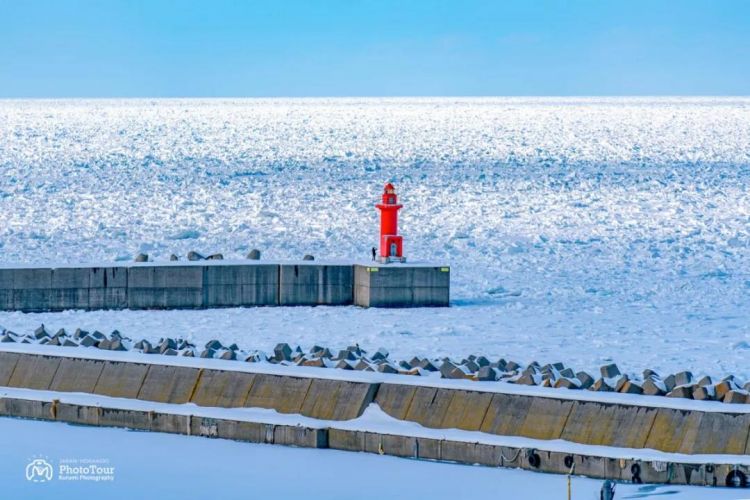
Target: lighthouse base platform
400, 285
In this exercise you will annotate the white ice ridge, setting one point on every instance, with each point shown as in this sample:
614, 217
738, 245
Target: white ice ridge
375, 420
577, 229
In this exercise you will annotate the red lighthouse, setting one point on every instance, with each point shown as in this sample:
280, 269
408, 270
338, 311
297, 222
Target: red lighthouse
391, 244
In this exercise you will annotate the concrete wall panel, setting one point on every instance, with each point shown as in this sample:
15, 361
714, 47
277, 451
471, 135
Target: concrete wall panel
8, 362
506, 415
283, 394
223, 389
546, 418
337, 399
130, 419
251, 432
721, 433
673, 430
77, 375
429, 406
347, 440
311, 284
121, 380
168, 384
34, 372
467, 410
395, 399
609, 425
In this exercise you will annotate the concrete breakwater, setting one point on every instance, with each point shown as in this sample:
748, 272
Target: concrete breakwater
698, 432
209, 284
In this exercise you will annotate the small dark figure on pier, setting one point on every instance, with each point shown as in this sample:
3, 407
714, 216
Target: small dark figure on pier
374, 253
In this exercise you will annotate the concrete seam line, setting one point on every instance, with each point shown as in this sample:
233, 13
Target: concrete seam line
447, 406
13, 370
651, 427
487, 410
372, 392
567, 417
249, 388
307, 393
98, 378
195, 385
57, 368
143, 382
747, 440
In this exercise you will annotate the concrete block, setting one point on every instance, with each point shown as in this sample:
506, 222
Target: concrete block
337, 399
171, 423
60, 299
429, 449
467, 410
108, 277
25, 408
78, 414
314, 284
8, 362
168, 384
251, 432
673, 430
339, 439
165, 277
131, 419
34, 372
546, 418
7, 299
401, 286
723, 433
165, 298
395, 399
31, 299
222, 388
70, 277
283, 394
506, 414
609, 425
387, 444
300, 436
108, 298
121, 380
77, 375
250, 274
429, 406
26, 279
609, 371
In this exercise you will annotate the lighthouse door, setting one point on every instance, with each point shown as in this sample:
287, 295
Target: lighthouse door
393, 252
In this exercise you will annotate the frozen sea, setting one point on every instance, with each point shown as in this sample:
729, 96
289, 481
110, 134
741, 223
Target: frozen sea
582, 230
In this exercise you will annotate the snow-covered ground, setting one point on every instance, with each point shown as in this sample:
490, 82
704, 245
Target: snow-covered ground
578, 230
166, 466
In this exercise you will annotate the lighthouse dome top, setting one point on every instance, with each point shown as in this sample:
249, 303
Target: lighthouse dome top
389, 189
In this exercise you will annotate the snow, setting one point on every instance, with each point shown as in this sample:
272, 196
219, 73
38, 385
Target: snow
433, 380
578, 230
167, 466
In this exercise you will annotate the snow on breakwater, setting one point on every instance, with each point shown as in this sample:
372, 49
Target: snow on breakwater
621, 223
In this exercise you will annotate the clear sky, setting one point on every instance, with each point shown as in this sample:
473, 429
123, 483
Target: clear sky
152, 48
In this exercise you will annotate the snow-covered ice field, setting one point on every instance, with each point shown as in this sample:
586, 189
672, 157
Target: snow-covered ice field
177, 467
580, 230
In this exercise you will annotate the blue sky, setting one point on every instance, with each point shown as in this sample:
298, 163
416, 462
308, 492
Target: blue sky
165, 48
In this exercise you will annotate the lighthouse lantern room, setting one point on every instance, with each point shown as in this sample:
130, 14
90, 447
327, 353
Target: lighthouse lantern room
391, 244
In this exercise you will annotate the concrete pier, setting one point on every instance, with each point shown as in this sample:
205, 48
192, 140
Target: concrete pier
211, 284
690, 444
